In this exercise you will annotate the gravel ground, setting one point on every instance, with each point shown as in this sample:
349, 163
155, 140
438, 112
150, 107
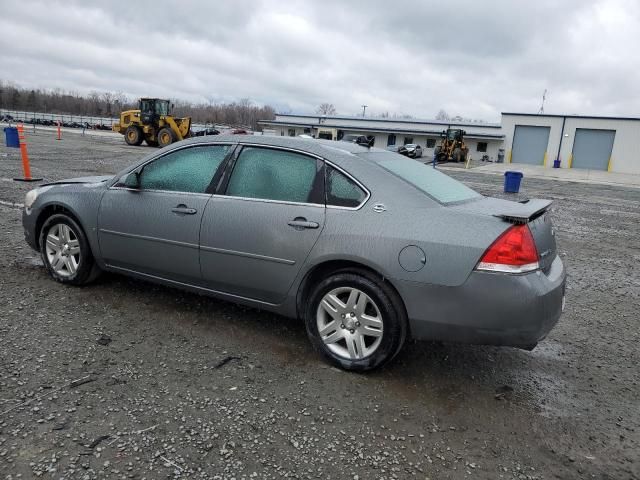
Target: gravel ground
124, 379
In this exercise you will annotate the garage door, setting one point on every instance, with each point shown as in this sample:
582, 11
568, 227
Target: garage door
592, 148
530, 144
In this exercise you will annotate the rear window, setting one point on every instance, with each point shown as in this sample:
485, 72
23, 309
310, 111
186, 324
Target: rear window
429, 180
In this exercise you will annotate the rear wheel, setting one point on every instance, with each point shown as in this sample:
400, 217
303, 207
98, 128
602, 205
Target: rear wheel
133, 135
355, 320
65, 251
165, 137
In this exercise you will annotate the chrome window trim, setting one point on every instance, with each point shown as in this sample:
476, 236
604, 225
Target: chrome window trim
177, 192
164, 154
356, 181
267, 200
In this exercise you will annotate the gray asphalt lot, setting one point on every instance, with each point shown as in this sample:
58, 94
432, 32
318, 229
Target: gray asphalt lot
125, 379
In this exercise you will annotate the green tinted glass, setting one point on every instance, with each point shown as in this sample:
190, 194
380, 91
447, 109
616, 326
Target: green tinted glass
187, 170
273, 175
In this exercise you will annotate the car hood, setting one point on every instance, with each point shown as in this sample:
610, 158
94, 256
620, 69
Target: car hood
96, 179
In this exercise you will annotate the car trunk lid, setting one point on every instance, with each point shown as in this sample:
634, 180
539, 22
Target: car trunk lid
534, 213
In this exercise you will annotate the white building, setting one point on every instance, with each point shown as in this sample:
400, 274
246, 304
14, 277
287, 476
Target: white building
481, 138
597, 143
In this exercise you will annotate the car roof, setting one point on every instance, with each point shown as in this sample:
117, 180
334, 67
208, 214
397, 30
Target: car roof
328, 149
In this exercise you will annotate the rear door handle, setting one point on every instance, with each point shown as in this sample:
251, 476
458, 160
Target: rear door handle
182, 209
300, 222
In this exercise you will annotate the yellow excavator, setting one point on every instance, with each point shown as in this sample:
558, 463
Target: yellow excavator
153, 123
452, 146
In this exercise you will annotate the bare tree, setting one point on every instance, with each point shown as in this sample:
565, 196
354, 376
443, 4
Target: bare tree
442, 115
326, 109
243, 113
108, 99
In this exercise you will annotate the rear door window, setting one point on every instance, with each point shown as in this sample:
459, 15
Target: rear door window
343, 191
279, 175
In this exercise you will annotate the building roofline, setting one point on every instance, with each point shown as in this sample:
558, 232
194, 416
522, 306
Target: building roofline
403, 120
378, 130
555, 115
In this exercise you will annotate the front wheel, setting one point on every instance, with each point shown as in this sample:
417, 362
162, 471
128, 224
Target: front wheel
165, 137
355, 320
65, 251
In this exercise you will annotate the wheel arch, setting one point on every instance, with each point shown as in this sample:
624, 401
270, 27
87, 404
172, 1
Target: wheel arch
329, 267
53, 209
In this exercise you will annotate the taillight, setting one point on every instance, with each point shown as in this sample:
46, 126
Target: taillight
513, 252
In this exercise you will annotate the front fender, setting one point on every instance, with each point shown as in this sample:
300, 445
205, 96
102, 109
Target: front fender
82, 201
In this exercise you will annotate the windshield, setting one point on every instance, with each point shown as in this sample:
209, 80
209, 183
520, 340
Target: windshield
425, 178
162, 108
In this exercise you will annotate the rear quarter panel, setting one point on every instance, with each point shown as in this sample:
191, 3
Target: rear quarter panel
453, 241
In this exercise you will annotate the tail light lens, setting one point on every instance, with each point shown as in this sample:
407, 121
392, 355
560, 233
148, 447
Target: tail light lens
513, 252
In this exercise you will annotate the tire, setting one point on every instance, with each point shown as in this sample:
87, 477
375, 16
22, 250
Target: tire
165, 137
59, 237
353, 344
458, 155
133, 135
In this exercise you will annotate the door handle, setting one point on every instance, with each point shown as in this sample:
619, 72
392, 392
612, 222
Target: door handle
182, 209
300, 222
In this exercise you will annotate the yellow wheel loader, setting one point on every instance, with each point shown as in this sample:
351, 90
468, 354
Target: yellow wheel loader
153, 123
452, 146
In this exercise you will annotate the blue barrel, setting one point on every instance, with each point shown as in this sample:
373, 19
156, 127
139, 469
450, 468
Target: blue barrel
11, 136
512, 182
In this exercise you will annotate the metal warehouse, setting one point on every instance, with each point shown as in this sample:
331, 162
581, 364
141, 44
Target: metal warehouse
587, 142
595, 143
481, 138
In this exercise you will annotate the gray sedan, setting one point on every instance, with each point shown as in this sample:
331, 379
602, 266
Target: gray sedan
366, 246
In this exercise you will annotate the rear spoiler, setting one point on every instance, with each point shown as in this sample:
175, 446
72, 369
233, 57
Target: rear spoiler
524, 211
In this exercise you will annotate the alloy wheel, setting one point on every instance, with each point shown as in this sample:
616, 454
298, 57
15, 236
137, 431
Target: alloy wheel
63, 250
349, 323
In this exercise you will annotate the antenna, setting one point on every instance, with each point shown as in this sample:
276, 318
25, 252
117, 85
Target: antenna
364, 108
544, 97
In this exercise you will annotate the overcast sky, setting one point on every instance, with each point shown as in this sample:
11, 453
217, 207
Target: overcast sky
468, 57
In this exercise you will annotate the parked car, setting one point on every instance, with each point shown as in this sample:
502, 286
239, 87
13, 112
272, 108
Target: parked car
359, 139
412, 150
205, 131
366, 246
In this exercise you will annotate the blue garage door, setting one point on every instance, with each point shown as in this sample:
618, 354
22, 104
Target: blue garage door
592, 148
530, 144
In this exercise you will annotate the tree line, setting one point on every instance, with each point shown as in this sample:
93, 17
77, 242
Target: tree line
109, 104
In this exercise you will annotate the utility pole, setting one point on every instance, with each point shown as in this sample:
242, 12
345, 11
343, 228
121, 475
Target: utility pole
544, 97
364, 108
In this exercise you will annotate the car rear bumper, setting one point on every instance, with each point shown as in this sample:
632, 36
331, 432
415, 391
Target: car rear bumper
489, 308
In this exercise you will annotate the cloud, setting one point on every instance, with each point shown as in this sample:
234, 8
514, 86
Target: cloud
471, 58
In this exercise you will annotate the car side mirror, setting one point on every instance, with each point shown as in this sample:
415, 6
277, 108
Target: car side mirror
132, 180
